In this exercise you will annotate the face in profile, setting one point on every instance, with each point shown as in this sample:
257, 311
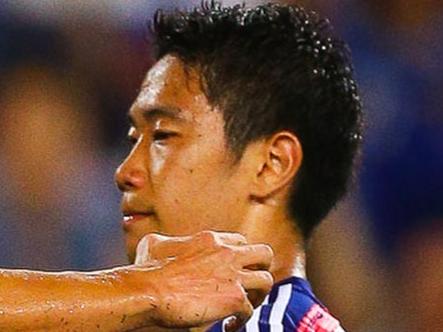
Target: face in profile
180, 176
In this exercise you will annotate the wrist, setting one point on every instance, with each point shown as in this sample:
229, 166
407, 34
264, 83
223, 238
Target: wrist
142, 293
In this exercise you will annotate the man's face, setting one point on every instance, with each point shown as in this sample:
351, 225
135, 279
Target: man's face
179, 177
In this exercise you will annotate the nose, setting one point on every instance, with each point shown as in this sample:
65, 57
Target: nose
131, 174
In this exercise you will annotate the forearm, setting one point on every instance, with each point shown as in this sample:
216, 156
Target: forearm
105, 301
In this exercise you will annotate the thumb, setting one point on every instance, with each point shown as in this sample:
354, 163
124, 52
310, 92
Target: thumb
236, 322
233, 324
142, 253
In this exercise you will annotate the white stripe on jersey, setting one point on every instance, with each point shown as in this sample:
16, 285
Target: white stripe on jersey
253, 322
279, 308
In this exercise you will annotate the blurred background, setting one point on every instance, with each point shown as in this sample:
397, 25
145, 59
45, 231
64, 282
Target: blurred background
69, 72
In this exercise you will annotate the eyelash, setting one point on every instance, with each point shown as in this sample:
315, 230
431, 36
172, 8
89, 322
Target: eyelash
161, 135
157, 135
132, 140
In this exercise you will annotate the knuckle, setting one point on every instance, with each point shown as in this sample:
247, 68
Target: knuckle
239, 296
268, 251
268, 279
227, 253
239, 235
158, 238
207, 237
237, 239
242, 238
235, 235
150, 235
151, 238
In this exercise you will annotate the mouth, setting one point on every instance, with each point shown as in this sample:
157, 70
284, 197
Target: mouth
132, 217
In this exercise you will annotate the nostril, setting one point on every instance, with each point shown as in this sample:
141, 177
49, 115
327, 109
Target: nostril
122, 186
127, 180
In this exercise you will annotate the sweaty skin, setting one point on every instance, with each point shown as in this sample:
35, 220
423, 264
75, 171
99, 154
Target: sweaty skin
178, 282
181, 176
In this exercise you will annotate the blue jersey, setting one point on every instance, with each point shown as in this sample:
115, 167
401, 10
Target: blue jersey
291, 306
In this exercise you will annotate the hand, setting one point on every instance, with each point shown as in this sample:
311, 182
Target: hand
205, 278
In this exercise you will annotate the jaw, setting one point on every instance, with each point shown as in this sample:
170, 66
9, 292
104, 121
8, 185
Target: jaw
271, 226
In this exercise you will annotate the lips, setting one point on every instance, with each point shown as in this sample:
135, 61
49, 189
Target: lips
131, 218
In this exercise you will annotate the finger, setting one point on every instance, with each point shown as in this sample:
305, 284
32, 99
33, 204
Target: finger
235, 239
231, 324
168, 247
142, 252
256, 256
148, 246
258, 280
241, 311
257, 284
239, 319
210, 238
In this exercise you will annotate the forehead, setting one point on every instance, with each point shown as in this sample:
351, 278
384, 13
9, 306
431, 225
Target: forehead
169, 85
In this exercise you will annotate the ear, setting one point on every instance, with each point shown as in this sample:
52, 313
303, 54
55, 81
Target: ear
281, 159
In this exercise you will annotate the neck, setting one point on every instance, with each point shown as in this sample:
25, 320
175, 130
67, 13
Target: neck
266, 224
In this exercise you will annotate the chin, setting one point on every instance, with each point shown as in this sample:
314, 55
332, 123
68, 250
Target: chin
131, 257
131, 248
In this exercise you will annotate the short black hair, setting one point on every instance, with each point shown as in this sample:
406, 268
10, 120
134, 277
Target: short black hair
270, 68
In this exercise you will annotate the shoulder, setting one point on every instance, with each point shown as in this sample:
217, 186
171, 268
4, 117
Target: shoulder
305, 313
318, 319
290, 307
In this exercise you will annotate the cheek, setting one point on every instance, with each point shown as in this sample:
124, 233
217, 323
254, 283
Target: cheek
190, 198
158, 156
184, 168
198, 202
191, 184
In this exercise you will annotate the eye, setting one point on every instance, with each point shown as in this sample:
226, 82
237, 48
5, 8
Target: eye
162, 135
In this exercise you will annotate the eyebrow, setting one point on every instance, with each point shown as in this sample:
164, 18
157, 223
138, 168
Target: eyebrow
154, 113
